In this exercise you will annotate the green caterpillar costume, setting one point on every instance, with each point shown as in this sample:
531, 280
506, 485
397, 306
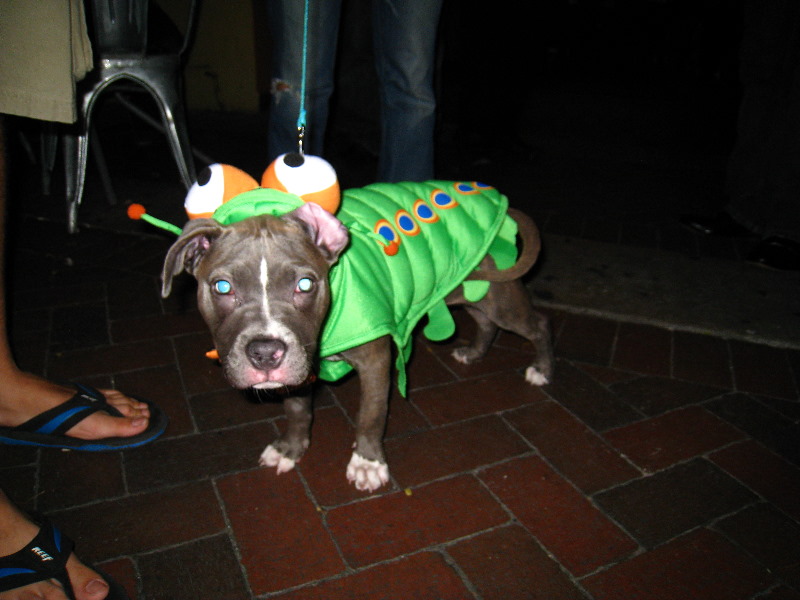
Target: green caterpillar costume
411, 244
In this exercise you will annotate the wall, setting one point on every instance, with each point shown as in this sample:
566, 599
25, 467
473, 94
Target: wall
221, 73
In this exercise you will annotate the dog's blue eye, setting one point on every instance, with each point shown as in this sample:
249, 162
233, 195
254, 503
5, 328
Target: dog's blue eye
223, 287
304, 285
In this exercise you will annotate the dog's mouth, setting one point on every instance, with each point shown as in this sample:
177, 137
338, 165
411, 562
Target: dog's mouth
265, 363
279, 386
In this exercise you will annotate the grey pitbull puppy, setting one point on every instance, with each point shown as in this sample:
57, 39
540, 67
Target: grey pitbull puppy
263, 291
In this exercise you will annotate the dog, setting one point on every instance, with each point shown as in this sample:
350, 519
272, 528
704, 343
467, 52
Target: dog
271, 286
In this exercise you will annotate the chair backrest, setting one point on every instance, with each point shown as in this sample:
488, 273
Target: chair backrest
120, 26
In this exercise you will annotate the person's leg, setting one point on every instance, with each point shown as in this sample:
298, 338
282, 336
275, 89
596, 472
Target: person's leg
23, 395
16, 531
286, 27
405, 49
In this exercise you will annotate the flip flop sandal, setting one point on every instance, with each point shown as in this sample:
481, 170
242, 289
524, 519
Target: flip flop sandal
44, 558
48, 429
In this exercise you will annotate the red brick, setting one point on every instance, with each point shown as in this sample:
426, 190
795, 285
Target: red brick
588, 399
156, 326
499, 359
676, 436
655, 395
475, 397
391, 526
702, 359
123, 572
453, 449
509, 563
669, 503
70, 478
144, 522
760, 422
163, 387
766, 473
606, 375
229, 408
763, 370
576, 451
560, 517
587, 339
206, 568
77, 364
278, 530
426, 367
403, 417
424, 575
200, 375
643, 349
701, 564
324, 464
198, 456
767, 534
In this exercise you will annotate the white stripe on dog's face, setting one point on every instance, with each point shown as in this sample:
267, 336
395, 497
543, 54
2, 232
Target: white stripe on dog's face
264, 278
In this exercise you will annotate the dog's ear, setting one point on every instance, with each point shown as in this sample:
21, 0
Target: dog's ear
327, 232
189, 249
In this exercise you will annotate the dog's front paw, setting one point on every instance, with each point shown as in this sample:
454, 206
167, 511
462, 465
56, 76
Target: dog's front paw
272, 458
367, 475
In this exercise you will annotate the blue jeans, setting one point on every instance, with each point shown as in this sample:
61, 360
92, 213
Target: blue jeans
404, 39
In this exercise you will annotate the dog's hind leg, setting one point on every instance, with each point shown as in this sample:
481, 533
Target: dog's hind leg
508, 306
487, 331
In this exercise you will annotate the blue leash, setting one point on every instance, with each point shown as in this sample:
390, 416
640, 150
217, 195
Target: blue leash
301, 118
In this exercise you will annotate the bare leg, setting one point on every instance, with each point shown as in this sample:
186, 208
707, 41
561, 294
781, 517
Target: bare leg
23, 396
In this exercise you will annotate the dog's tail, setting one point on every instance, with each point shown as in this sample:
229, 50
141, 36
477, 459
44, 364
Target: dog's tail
531, 246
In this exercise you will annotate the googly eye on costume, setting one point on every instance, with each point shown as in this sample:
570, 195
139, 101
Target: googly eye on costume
223, 287
215, 185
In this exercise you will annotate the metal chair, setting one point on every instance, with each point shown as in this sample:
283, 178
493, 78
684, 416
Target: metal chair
124, 52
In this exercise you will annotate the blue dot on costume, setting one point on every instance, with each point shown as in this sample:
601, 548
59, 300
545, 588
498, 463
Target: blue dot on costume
442, 200
385, 230
406, 223
472, 187
424, 212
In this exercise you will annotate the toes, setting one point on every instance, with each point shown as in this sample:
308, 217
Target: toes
367, 475
86, 583
535, 377
272, 458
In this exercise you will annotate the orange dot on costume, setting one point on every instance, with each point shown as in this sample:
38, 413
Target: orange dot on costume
310, 177
215, 185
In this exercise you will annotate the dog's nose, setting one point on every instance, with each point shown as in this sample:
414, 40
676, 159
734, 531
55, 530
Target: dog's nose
266, 353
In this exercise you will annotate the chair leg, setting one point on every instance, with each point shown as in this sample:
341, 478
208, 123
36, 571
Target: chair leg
173, 115
75, 154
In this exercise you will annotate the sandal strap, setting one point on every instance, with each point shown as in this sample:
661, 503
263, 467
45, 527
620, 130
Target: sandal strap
45, 557
66, 415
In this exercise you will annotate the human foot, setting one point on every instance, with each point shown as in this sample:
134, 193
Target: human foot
17, 537
37, 412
